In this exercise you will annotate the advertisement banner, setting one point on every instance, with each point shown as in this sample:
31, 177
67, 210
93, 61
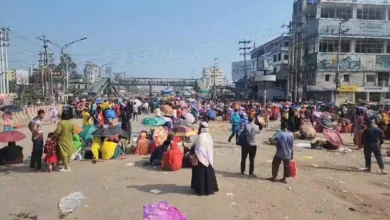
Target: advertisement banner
21, 77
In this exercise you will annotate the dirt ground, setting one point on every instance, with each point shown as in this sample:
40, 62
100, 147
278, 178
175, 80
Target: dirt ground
329, 185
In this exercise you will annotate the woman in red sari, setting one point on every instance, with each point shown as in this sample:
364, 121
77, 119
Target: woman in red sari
173, 158
142, 144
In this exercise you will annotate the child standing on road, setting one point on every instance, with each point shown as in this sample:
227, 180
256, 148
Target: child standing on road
50, 150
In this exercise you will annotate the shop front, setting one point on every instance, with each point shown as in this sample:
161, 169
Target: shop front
371, 93
346, 93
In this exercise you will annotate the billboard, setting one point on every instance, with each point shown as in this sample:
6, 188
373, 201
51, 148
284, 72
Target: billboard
21, 77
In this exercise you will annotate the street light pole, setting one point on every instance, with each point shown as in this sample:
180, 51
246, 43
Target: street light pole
63, 47
103, 65
337, 77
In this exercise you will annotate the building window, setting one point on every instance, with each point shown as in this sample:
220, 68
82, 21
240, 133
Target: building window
388, 45
280, 57
346, 78
275, 58
274, 70
370, 78
369, 46
286, 44
286, 57
370, 12
78, 86
336, 12
327, 77
383, 79
331, 45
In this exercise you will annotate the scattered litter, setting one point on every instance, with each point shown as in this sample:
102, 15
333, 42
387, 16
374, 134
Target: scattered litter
130, 164
314, 165
344, 191
155, 191
233, 203
344, 150
342, 182
288, 188
303, 145
318, 211
106, 187
351, 209
269, 161
330, 177
286, 217
70, 202
385, 183
363, 168
86, 206
165, 172
308, 157
230, 194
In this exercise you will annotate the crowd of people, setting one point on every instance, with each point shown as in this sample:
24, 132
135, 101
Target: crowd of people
173, 120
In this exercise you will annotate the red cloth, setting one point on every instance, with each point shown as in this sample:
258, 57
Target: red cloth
50, 151
152, 147
179, 112
173, 158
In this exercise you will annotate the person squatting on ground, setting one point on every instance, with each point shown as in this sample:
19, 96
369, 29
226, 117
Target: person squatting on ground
284, 152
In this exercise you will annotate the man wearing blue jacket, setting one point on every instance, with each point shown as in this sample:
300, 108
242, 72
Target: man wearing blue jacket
235, 119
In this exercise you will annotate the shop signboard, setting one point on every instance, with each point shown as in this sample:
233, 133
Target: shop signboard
347, 88
373, 89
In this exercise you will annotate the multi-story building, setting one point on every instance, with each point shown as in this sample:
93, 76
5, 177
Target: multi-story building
363, 28
238, 70
91, 73
269, 69
209, 74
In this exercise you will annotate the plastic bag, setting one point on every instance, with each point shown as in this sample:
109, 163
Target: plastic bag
70, 202
293, 169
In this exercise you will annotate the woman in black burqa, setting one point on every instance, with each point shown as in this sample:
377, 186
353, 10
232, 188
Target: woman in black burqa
203, 179
126, 116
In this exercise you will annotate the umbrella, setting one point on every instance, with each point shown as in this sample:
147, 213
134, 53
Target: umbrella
190, 118
162, 210
183, 104
11, 136
156, 121
183, 131
77, 129
333, 137
11, 108
166, 109
167, 119
195, 105
181, 122
110, 131
86, 134
326, 122
211, 114
137, 102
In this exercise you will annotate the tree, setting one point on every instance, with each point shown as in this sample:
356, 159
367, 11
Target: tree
61, 67
28, 94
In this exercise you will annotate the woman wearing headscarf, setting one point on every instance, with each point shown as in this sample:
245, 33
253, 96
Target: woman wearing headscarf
64, 135
126, 117
203, 179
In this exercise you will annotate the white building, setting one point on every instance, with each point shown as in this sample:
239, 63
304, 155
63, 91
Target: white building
238, 70
91, 73
208, 75
364, 60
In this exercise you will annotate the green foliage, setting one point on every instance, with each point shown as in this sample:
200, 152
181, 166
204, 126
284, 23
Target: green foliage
28, 94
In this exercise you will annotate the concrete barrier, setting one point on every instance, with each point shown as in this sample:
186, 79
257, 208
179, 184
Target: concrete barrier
21, 119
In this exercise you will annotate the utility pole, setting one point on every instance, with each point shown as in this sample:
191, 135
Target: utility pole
215, 82
290, 59
245, 42
4, 43
45, 55
2, 66
337, 77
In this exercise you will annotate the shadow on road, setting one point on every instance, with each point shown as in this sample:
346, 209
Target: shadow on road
228, 174
164, 188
